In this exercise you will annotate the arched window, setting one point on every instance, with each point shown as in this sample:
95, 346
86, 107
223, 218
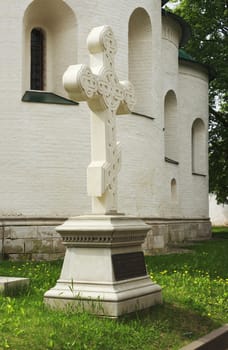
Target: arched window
199, 149
49, 26
140, 59
171, 127
37, 59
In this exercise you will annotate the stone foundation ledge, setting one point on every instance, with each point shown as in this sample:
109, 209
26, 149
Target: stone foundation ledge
36, 238
24, 238
168, 232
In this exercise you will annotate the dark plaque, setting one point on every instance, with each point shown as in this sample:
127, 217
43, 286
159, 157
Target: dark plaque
128, 265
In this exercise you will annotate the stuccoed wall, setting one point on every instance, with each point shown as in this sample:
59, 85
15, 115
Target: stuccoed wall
45, 148
193, 92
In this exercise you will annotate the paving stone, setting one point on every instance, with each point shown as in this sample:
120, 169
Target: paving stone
216, 340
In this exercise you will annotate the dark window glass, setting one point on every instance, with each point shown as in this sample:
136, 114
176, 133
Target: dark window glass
37, 59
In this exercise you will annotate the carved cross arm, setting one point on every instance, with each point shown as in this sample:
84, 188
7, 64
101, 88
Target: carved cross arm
128, 101
80, 83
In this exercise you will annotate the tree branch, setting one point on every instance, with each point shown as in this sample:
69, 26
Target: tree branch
222, 117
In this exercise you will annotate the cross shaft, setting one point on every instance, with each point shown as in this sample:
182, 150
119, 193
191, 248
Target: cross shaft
106, 97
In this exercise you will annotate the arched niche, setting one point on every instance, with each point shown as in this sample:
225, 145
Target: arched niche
58, 23
199, 147
171, 126
140, 59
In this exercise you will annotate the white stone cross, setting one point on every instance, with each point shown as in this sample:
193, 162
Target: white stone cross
106, 97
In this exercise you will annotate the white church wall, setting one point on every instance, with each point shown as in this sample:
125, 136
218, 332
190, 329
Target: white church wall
39, 131
41, 171
199, 147
45, 148
58, 22
139, 177
171, 124
138, 193
171, 33
47, 176
140, 59
194, 104
171, 184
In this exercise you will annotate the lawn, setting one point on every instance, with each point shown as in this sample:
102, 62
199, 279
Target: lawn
195, 293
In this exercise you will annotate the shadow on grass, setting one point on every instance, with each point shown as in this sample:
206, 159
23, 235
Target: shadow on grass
220, 235
177, 321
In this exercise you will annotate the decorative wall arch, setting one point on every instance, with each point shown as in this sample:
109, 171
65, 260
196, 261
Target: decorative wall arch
140, 58
171, 126
58, 21
199, 147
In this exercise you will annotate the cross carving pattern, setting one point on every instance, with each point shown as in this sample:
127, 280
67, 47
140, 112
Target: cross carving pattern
106, 97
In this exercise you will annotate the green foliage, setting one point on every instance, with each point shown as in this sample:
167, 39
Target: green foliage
195, 290
209, 45
220, 232
220, 229
218, 155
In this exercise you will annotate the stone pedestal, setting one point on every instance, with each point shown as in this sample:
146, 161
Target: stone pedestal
104, 270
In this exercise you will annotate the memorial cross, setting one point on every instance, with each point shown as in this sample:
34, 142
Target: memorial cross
106, 97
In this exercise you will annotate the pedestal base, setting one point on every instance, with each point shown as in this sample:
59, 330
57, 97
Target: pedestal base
104, 270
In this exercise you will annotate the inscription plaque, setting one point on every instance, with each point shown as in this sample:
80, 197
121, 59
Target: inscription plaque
128, 265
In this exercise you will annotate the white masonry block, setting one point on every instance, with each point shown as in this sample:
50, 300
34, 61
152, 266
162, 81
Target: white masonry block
12, 285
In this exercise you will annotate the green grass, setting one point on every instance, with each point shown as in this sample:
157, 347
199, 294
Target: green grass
220, 232
195, 292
